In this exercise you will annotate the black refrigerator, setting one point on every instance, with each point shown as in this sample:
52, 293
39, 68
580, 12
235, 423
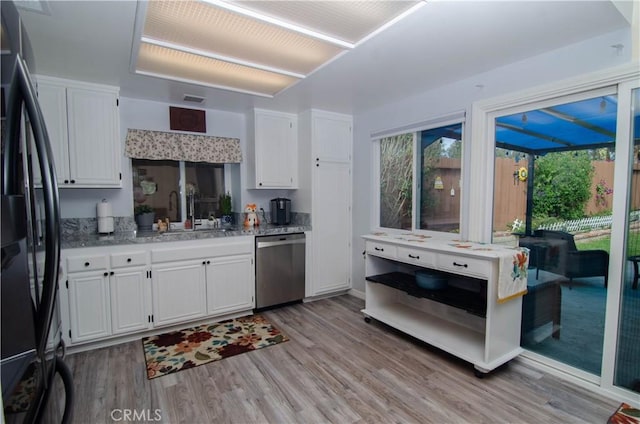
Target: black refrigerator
32, 354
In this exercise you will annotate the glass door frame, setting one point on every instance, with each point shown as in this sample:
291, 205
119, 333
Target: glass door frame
481, 187
618, 259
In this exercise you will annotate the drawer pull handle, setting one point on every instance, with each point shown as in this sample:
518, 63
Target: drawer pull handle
87, 264
414, 257
128, 259
462, 265
379, 249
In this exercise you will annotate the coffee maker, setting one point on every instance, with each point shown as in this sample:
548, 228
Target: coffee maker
280, 211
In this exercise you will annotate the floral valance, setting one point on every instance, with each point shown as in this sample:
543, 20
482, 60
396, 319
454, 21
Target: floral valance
161, 145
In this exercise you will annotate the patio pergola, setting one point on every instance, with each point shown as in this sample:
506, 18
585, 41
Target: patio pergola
586, 124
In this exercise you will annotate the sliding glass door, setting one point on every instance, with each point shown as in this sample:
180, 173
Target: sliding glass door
554, 169
566, 184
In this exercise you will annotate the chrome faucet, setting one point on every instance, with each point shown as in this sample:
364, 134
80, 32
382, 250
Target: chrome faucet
191, 208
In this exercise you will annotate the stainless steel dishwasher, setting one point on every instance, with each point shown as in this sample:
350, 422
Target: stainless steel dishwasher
280, 269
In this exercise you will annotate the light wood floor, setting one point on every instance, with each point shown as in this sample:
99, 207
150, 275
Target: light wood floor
335, 369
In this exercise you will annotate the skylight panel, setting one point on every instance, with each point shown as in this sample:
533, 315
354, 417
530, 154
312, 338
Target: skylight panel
180, 66
204, 27
257, 47
350, 21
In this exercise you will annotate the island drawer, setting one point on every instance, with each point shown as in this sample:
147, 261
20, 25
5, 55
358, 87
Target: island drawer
417, 256
464, 265
381, 249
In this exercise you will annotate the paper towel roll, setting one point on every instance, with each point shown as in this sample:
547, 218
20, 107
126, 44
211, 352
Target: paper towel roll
105, 217
104, 209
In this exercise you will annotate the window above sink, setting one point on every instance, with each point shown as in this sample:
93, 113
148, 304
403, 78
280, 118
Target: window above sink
164, 184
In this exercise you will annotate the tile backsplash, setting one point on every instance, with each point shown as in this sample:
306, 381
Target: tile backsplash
76, 226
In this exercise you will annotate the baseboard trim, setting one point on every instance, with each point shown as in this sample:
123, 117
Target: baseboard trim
357, 293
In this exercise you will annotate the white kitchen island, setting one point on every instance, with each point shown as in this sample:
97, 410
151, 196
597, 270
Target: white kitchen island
465, 319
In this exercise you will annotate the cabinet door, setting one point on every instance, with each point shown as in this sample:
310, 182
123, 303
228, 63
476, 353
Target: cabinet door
89, 306
230, 284
331, 251
94, 140
178, 291
129, 300
276, 151
53, 102
331, 138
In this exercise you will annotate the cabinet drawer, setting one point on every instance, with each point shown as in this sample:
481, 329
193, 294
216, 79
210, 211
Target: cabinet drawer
86, 263
206, 251
417, 256
381, 249
120, 260
464, 265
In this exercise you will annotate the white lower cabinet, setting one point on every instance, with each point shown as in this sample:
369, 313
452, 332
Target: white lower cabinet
113, 291
228, 289
129, 300
178, 291
89, 306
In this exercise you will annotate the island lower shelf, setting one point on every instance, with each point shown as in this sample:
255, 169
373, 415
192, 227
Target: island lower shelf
448, 328
465, 343
469, 301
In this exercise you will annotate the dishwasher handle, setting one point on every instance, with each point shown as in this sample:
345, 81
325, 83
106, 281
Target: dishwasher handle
263, 244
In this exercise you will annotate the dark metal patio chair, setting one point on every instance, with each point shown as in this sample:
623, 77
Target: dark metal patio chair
579, 263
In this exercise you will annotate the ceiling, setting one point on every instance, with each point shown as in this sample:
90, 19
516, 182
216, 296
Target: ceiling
442, 42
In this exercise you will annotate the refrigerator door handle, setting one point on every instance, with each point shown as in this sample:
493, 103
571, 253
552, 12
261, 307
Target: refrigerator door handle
22, 92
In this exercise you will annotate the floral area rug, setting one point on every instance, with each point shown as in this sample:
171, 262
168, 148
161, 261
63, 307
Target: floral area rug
625, 415
179, 350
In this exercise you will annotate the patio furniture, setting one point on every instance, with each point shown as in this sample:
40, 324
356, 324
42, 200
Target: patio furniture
556, 251
546, 254
542, 305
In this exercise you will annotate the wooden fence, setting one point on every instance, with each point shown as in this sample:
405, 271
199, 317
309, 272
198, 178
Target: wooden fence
511, 194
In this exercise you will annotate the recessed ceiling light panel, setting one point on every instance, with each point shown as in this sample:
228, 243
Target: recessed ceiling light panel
350, 21
256, 47
208, 28
160, 61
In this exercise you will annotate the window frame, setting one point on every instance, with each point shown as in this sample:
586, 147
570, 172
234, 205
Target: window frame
228, 188
441, 121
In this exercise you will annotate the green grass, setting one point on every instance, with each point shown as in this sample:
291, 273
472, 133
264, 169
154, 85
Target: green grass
604, 243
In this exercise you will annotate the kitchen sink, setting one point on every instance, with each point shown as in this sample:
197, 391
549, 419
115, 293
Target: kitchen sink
197, 230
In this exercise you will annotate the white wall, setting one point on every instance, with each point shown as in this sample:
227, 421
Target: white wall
148, 115
571, 61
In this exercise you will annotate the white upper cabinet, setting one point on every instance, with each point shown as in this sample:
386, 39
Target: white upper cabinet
84, 130
331, 137
272, 157
52, 97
